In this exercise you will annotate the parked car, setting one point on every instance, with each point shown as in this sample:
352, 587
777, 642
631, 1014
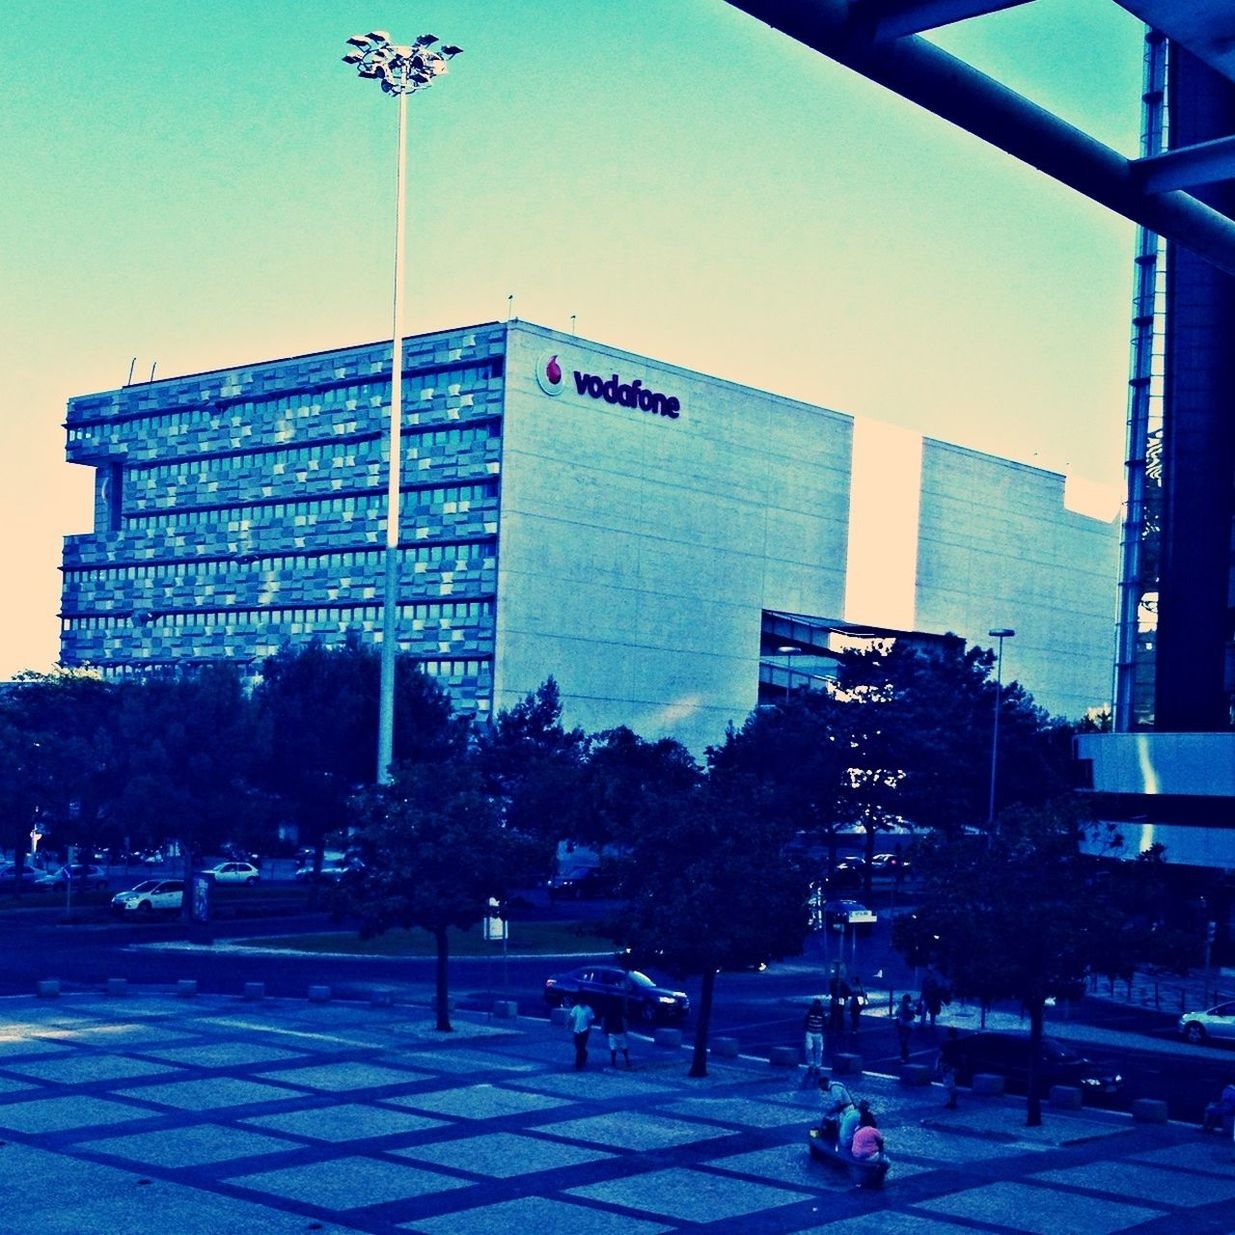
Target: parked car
233, 872
848, 913
331, 872
600, 985
9, 877
150, 896
83, 877
1218, 1023
580, 881
889, 864
1007, 1055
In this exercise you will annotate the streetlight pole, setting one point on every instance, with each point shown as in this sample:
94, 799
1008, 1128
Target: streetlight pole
788, 652
401, 69
1000, 634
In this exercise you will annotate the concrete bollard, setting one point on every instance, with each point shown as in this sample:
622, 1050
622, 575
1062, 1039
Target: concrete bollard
186, 988
505, 1009
724, 1048
1149, 1110
48, 988
987, 1084
320, 994
844, 1064
1066, 1098
668, 1037
915, 1074
783, 1057
254, 991
382, 997
559, 1016
117, 987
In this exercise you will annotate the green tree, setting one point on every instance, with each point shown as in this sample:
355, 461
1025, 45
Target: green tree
708, 888
534, 765
318, 710
436, 850
1013, 915
62, 762
927, 711
191, 746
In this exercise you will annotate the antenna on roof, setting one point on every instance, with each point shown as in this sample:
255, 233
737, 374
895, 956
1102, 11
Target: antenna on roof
152, 369
510, 306
572, 323
129, 379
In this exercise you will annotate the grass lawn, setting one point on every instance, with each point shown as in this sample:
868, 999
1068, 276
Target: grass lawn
526, 938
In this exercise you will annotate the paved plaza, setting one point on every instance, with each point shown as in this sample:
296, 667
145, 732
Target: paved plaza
149, 1112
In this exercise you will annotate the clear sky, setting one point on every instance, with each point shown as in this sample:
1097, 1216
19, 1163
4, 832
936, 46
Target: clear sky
201, 183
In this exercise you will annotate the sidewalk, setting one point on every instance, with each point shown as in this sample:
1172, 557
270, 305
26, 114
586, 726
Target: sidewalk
238, 1117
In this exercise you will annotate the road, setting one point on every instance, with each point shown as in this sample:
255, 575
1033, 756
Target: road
760, 1009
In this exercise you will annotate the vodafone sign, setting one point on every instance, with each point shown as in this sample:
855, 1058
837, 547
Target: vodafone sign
553, 378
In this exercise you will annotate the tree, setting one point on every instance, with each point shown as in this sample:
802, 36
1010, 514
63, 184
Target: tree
927, 720
534, 765
61, 758
191, 746
436, 850
318, 708
708, 888
1031, 945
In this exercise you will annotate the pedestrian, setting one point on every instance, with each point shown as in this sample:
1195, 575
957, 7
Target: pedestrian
1220, 1110
836, 1010
813, 1027
580, 1020
932, 995
615, 1030
903, 1019
855, 1011
945, 1070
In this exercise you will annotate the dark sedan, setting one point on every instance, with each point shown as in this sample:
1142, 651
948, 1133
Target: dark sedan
1007, 1055
602, 985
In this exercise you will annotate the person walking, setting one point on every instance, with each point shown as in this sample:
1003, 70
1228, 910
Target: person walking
855, 1011
904, 1024
945, 1069
813, 1028
580, 1020
615, 1030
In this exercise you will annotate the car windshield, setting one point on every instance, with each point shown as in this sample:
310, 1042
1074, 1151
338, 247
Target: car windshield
640, 979
1054, 1049
147, 885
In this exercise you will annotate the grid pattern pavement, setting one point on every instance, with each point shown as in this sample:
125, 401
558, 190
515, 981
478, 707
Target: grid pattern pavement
215, 1114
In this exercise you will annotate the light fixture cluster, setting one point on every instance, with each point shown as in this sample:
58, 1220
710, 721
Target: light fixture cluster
401, 68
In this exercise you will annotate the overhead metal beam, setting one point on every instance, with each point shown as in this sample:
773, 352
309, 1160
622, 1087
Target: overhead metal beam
958, 92
1205, 163
896, 18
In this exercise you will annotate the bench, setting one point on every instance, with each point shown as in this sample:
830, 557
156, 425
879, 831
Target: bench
867, 1172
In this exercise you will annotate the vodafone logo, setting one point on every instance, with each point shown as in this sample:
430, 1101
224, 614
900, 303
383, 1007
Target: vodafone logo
551, 378
549, 375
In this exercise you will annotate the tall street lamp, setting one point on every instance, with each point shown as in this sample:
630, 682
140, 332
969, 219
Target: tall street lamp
402, 70
789, 651
1001, 635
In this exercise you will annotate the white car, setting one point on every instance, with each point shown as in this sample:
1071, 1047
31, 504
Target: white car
1218, 1022
233, 872
150, 896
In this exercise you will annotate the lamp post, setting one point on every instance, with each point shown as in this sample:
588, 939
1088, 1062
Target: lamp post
401, 69
1000, 634
788, 652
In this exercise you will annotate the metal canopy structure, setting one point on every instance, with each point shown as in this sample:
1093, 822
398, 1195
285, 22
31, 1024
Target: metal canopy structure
880, 39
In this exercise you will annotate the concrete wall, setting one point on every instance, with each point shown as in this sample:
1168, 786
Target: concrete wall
638, 551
